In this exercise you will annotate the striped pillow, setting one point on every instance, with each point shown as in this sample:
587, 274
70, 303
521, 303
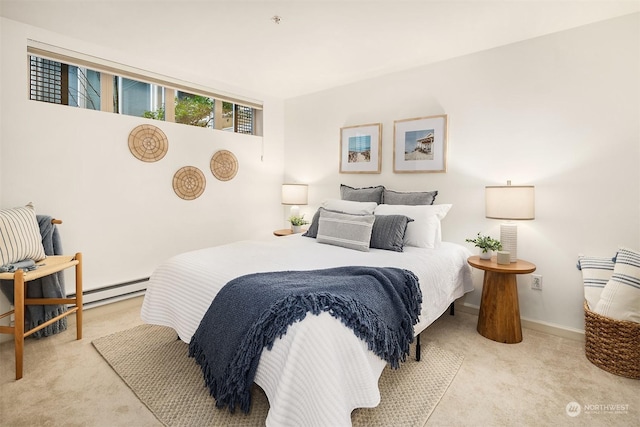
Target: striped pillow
348, 231
620, 298
596, 272
20, 237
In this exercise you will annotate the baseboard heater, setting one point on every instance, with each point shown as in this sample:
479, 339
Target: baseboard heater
113, 293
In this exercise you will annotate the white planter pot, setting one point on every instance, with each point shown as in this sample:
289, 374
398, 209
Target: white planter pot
296, 228
485, 255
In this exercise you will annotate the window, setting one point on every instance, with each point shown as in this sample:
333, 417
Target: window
85, 86
65, 84
194, 110
47, 81
136, 98
243, 120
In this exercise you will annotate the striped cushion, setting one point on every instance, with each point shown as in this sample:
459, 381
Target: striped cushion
349, 231
596, 272
20, 237
620, 298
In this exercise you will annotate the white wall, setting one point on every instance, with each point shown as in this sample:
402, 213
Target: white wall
560, 112
120, 212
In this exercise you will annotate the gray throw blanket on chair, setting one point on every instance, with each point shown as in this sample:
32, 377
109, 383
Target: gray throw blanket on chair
51, 286
380, 305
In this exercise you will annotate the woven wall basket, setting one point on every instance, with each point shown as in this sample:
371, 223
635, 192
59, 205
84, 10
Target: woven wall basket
224, 165
189, 183
148, 143
612, 345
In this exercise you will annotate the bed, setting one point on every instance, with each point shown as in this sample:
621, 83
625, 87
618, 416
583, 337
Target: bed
319, 371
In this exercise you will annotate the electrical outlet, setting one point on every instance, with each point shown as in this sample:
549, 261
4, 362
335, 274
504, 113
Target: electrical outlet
536, 282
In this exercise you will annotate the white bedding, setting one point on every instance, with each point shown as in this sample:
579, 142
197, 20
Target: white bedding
319, 371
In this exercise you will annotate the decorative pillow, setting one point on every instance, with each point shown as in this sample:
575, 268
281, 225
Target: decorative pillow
388, 232
348, 231
425, 230
596, 272
312, 231
341, 206
390, 197
620, 298
365, 194
20, 237
349, 206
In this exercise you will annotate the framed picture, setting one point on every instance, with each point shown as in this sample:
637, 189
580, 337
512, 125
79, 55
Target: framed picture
360, 148
420, 145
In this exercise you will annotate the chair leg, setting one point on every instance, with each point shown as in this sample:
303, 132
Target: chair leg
79, 296
18, 336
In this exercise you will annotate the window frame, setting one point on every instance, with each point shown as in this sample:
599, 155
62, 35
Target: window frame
109, 71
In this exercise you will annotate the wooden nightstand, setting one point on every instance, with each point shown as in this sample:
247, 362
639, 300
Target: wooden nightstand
499, 317
286, 232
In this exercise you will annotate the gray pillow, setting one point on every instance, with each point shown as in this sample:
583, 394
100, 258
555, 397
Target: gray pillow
388, 232
348, 231
365, 194
390, 197
312, 231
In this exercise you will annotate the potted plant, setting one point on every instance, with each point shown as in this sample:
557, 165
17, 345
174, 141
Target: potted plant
297, 222
486, 244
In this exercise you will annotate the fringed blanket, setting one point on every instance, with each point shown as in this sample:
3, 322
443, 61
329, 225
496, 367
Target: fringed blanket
51, 286
380, 305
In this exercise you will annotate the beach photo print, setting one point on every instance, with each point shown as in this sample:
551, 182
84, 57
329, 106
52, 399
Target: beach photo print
360, 148
420, 144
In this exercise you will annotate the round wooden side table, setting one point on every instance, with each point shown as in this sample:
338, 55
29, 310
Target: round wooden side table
499, 317
286, 232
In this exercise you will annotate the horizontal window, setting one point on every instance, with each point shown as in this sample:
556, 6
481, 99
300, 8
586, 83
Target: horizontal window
78, 85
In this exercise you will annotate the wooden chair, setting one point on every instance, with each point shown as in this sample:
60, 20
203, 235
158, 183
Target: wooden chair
50, 265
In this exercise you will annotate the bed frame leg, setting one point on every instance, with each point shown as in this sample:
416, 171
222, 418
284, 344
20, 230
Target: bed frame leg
452, 310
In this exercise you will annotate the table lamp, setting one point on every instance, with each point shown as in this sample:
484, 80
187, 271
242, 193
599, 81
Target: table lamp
510, 202
295, 195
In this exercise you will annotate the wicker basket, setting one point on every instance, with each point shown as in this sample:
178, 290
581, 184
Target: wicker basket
612, 345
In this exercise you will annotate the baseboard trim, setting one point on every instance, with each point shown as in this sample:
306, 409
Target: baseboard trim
534, 325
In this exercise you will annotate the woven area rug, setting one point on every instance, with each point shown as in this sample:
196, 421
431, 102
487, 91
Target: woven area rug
155, 365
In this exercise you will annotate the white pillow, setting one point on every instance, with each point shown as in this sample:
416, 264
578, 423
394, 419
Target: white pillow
425, 230
620, 298
596, 272
20, 237
349, 207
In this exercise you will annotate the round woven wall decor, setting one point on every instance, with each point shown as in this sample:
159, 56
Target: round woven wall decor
189, 183
224, 165
148, 143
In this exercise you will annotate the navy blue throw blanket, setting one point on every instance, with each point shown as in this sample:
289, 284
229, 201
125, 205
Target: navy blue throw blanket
380, 305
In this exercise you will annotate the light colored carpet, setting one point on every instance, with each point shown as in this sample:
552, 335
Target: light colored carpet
155, 365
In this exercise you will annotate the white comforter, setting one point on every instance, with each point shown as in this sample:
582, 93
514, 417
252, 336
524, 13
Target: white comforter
319, 371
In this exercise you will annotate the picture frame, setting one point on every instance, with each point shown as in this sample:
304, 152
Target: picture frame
360, 148
420, 145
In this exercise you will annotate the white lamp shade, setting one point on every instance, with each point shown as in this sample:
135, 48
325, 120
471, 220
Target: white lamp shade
510, 202
294, 194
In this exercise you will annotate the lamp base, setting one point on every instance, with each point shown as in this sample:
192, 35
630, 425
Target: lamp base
509, 240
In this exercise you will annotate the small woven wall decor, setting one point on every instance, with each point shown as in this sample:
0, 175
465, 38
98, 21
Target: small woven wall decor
148, 143
189, 183
224, 165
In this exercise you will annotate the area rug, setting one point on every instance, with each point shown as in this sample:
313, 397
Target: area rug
155, 365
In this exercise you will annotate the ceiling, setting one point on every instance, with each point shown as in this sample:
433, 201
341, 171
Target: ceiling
317, 45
